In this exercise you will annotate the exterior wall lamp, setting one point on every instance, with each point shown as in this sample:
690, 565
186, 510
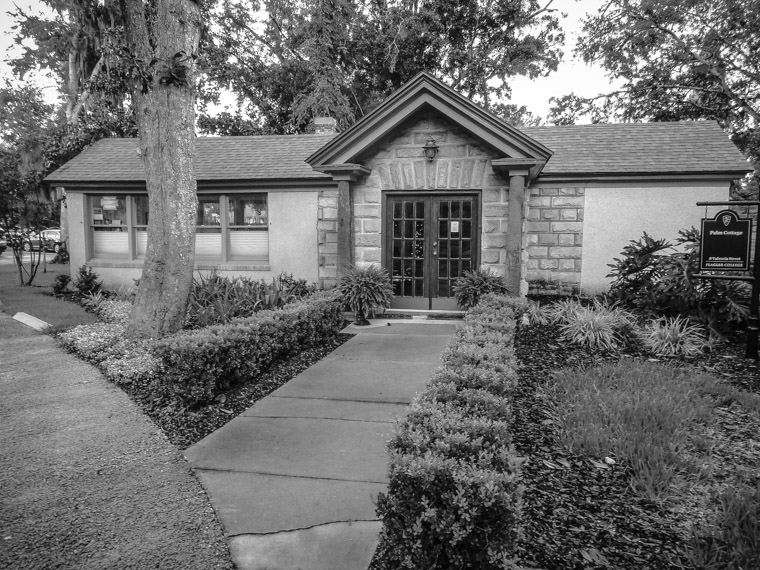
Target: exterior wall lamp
430, 149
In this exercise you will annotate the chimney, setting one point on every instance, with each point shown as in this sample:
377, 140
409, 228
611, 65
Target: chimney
324, 126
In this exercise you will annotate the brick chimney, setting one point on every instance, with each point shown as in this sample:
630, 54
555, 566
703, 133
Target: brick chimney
325, 126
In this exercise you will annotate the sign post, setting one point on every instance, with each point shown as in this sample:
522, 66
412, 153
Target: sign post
725, 246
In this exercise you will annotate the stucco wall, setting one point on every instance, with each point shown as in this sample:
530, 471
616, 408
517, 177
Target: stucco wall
614, 216
462, 164
293, 234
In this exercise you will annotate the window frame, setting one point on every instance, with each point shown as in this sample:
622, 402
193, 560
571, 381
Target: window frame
132, 228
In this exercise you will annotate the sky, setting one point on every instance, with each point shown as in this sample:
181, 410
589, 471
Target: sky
572, 76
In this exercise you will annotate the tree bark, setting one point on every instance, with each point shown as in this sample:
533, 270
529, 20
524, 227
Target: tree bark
164, 100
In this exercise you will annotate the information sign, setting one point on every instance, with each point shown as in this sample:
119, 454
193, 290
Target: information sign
725, 242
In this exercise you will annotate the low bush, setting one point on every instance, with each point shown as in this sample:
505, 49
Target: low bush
61, 284
472, 285
86, 281
198, 365
452, 500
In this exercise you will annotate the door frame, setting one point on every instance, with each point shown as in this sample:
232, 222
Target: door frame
386, 242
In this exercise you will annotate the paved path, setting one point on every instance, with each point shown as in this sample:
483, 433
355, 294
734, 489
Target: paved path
86, 480
293, 478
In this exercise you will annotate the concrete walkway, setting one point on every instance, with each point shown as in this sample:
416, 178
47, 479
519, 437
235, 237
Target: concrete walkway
293, 478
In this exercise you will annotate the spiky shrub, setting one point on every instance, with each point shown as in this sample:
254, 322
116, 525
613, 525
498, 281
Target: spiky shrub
602, 326
672, 336
472, 285
86, 281
538, 313
366, 288
563, 310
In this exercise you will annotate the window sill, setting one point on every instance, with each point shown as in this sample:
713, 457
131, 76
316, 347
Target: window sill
202, 265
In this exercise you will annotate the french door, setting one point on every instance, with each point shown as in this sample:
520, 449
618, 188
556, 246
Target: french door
429, 241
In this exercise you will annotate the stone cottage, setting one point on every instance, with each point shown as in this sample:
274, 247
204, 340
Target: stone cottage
428, 185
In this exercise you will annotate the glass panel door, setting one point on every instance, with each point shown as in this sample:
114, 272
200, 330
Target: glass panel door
430, 241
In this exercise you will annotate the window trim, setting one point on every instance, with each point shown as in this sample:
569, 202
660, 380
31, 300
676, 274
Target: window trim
132, 259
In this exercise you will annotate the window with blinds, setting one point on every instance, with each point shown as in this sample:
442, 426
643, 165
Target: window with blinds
230, 227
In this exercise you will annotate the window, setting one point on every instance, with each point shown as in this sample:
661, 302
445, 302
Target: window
230, 228
110, 236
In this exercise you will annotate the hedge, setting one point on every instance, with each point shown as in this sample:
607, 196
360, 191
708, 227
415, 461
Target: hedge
200, 364
452, 499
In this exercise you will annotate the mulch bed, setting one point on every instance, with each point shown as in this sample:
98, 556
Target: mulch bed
579, 513
186, 427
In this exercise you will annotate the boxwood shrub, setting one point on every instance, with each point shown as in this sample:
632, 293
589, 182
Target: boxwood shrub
198, 365
452, 499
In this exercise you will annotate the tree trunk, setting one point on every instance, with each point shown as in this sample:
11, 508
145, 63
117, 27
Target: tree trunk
164, 104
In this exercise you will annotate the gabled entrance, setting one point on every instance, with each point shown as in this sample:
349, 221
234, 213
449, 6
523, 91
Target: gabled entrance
430, 240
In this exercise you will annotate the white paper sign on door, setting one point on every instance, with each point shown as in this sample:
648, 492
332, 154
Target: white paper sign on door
454, 227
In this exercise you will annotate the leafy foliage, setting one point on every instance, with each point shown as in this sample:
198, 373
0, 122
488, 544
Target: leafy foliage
61, 284
86, 281
366, 288
216, 299
657, 284
291, 62
474, 284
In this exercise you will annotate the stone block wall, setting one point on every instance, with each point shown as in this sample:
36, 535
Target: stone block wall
327, 238
554, 240
398, 163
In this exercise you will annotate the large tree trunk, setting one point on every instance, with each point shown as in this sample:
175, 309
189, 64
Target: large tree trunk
164, 104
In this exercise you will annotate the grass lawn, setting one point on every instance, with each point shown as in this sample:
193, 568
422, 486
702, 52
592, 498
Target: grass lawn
38, 300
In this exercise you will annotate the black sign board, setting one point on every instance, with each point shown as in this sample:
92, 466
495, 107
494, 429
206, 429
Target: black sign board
725, 242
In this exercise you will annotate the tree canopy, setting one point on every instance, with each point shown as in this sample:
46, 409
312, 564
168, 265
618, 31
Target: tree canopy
692, 59
288, 61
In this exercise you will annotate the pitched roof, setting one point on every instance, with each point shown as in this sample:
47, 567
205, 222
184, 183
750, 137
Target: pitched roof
267, 157
421, 94
687, 147
692, 147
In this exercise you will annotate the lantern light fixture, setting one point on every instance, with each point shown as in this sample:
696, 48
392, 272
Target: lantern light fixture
430, 149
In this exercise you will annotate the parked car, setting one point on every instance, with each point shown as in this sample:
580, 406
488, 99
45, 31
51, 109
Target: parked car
50, 240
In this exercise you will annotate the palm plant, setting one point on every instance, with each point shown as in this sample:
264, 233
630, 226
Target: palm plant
364, 289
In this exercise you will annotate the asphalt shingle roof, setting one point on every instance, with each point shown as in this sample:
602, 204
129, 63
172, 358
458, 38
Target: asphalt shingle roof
690, 147
639, 148
264, 157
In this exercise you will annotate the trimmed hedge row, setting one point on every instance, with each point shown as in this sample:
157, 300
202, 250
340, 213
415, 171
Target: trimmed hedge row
197, 365
453, 498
